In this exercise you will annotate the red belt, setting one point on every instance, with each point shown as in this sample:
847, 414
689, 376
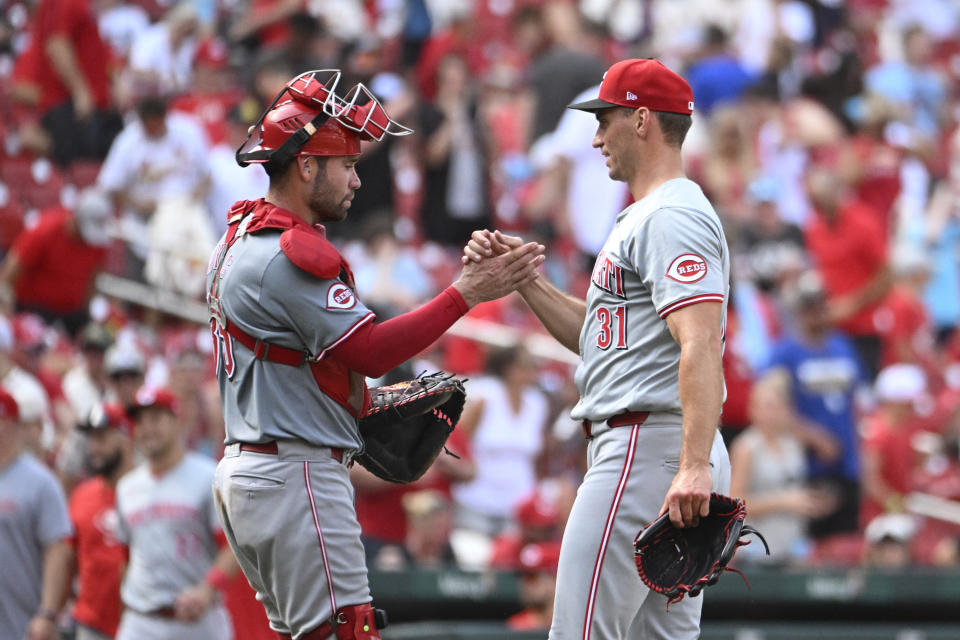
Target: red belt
265, 350
626, 419
271, 447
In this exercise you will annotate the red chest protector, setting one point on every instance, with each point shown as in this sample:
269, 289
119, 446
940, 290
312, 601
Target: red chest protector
308, 248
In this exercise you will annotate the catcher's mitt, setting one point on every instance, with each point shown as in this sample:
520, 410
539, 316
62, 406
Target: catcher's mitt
407, 425
677, 562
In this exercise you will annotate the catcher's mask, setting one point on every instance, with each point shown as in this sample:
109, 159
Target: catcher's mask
308, 118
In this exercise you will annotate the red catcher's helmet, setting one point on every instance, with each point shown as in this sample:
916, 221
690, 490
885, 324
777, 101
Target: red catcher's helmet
308, 118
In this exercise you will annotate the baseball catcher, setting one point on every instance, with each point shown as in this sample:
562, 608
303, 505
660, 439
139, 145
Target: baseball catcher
408, 424
677, 562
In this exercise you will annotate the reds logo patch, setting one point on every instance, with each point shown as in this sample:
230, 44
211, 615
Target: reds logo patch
687, 268
340, 296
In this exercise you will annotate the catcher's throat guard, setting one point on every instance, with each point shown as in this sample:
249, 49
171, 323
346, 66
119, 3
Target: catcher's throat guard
307, 117
677, 562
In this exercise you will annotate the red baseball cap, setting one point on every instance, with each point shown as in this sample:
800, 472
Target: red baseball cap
641, 83
9, 409
542, 556
149, 397
537, 511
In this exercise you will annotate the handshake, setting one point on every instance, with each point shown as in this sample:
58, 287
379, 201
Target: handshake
495, 264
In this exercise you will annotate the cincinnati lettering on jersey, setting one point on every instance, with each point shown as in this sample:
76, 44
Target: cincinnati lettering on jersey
162, 511
608, 275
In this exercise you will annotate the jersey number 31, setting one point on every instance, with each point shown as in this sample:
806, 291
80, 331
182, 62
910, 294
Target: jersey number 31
613, 327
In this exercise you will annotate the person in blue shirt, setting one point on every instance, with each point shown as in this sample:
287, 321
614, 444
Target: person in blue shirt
717, 77
825, 373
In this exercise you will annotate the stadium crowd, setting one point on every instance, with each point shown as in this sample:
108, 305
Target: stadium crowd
825, 134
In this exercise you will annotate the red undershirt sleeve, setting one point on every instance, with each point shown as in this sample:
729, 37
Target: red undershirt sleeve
376, 348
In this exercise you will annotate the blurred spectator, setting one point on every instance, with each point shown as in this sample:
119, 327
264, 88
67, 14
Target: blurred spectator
69, 64
717, 76
889, 457
229, 181
505, 417
538, 520
52, 266
592, 201
455, 191
86, 383
121, 23
162, 56
771, 245
33, 402
199, 398
159, 157
34, 583
913, 83
728, 166
213, 92
850, 252
888, 539
427, 543
306, 47
824, 375
905, 327
390, 279
538, 583
264, 23
179, 558
99, 556
769, 473
570, 64
939, 233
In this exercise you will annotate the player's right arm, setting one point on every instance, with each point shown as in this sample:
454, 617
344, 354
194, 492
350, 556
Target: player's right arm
560, 313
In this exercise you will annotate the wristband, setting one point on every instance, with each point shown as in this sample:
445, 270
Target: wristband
217, 578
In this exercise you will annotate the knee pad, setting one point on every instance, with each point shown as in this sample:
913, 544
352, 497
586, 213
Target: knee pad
359, 622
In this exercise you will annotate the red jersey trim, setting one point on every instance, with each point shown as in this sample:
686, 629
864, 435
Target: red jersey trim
686, 302
349, 332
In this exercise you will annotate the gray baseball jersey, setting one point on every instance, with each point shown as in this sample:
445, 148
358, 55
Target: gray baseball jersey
170, 524
33, 514
273, 300
665, 252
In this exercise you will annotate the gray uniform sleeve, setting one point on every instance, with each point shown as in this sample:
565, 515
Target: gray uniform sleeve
53, 519
679, 256
320, 312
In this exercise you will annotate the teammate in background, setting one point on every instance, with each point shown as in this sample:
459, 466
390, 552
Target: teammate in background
178, 556
538, 585
650, 337
294, 345
99, 555
34, 528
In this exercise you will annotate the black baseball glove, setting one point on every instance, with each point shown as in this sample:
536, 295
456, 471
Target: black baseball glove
408, 424
677, 562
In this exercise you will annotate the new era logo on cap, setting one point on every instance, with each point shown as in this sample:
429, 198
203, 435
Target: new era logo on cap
641, 83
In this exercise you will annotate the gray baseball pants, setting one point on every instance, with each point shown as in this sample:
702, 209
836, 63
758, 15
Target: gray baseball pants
599, 594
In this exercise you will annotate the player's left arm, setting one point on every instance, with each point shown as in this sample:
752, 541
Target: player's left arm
697, 328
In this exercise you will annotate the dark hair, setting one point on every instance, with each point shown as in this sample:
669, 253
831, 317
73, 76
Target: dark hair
277, 171
500, 359
152, 107
674, 126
